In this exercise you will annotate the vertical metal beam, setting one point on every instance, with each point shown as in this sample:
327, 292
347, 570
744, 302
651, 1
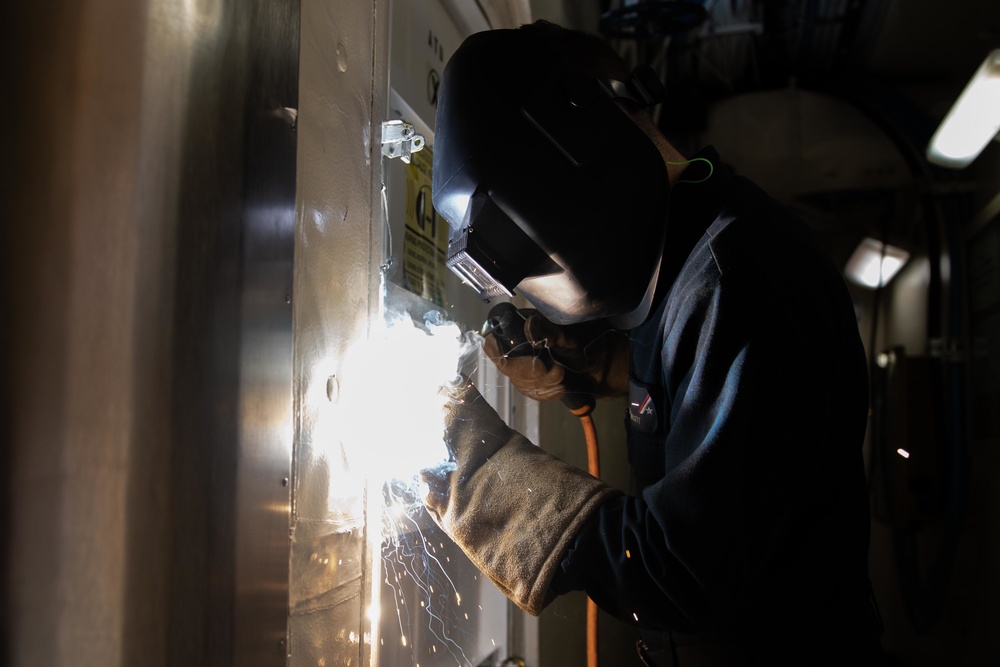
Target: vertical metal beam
337, 256
264, 409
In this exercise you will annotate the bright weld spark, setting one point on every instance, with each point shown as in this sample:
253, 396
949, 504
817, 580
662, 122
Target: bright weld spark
387, 413
409, 551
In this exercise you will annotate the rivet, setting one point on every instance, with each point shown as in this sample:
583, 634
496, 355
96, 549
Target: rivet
341, 57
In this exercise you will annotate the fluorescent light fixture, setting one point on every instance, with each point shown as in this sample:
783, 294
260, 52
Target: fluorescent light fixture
871, 267
902, 452
974, 119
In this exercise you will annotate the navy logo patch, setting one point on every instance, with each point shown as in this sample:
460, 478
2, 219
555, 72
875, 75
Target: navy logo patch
641, 408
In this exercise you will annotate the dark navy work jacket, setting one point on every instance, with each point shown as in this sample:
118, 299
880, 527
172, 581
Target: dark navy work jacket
748, 521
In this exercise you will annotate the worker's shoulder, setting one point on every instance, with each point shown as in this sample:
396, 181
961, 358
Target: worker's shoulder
755, 235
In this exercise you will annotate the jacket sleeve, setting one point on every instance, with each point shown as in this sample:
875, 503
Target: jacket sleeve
766, 391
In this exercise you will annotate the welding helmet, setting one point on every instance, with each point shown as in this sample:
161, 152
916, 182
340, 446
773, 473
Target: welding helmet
547, 185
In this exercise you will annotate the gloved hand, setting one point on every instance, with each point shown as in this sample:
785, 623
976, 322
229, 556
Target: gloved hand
512, 508
587, 358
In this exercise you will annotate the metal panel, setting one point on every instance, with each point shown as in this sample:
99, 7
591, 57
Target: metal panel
265, 361
337, 248
150, 331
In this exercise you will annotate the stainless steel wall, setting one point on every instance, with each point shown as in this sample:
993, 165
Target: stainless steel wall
148, 214
337, 257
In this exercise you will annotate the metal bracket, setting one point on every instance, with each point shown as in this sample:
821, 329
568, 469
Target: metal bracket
399, 139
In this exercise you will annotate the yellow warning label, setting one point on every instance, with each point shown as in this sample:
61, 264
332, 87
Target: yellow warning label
425, 242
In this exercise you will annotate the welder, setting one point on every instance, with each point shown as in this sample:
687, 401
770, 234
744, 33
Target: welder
676, 283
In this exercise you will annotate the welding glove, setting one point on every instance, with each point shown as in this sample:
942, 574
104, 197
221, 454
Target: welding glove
512, 508
587, 358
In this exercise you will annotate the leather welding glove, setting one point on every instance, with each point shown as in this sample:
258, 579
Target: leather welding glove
512, 508
587, 358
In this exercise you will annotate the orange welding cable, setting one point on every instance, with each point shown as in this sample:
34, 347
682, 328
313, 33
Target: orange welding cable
594, 468
593, 455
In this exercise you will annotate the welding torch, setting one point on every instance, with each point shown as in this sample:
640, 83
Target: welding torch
507, 324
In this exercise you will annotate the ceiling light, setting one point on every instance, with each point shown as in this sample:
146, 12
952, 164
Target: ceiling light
872, 267
974, 119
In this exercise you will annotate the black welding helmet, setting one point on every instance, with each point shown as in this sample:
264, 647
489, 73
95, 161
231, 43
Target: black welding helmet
548, 186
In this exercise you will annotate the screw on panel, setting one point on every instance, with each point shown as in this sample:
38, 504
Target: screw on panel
287, 114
